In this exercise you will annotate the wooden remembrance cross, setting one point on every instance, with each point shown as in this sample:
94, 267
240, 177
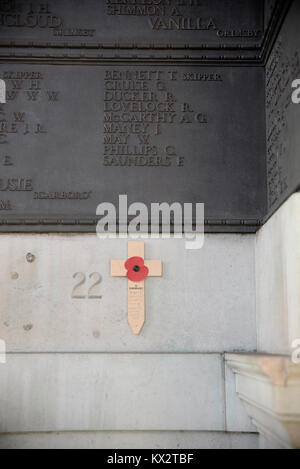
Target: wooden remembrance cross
136, 269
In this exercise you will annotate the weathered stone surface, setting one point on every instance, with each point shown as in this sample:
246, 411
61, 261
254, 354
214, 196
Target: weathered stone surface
205, 301
130, 440
278, 280
70, 392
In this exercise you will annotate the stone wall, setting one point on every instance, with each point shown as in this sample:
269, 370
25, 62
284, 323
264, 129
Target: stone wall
73, 364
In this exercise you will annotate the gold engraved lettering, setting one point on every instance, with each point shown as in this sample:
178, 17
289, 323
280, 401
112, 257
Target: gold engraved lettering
19, 116
32, 95
16, 185
52, 96
62, 195
7, 161
14, 14
138, 105
5, 205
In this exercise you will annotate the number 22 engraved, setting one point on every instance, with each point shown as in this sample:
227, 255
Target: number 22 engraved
78, 293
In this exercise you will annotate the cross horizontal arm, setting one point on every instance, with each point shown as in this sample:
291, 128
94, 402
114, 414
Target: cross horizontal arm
155, 268
117, 268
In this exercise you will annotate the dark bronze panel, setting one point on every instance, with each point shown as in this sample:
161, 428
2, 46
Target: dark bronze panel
75, 136
137, 24
283, 117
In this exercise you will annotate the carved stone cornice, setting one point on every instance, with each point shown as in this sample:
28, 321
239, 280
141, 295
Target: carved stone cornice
269, 387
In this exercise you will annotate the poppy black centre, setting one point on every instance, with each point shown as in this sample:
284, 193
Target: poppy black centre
136, 268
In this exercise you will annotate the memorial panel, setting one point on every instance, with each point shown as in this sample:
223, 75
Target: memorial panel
72, 137
133, 23
283, 115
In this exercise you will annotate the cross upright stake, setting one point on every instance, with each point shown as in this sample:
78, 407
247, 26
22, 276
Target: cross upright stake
133, 268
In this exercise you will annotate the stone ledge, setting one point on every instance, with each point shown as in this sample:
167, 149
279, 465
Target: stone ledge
269, 387
159, 440
61, 392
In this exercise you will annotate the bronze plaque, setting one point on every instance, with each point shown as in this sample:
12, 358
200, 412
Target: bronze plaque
137, 24
75, 136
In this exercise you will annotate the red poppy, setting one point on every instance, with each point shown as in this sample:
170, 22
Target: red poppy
136, 269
